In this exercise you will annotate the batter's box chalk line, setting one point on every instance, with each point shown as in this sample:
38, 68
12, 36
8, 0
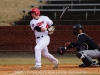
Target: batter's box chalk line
41, 72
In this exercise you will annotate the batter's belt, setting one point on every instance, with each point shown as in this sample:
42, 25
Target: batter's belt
39, 37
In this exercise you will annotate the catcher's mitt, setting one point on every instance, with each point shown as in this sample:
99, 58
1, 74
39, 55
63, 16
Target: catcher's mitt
61, 50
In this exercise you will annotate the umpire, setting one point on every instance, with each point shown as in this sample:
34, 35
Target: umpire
86, 48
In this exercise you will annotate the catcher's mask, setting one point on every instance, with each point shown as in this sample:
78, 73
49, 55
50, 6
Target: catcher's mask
34, 10
76, 28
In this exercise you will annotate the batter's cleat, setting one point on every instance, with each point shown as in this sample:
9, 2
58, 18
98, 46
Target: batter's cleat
56, 64
36, 68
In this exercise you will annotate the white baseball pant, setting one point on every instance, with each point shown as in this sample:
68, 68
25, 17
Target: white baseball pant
41, 48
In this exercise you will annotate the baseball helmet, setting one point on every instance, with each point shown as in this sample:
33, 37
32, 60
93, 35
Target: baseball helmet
36, 10
76, 28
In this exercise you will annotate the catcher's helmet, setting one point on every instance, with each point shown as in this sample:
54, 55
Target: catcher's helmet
76, 28
36, 10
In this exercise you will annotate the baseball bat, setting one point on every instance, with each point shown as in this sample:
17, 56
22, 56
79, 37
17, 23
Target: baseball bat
61, 16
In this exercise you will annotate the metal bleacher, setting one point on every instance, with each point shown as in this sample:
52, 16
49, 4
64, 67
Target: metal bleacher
80, 11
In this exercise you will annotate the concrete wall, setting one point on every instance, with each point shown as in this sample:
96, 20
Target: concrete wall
22, 39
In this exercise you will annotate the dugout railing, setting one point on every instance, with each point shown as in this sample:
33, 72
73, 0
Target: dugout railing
63, 5
86, 11
86, 16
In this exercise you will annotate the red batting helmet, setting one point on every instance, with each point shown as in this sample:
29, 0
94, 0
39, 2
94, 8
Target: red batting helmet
36, 10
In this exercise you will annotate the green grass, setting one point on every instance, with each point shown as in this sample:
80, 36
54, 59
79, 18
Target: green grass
9, 59
30, 60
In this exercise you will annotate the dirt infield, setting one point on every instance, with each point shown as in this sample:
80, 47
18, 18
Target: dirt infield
47, 70
20, 64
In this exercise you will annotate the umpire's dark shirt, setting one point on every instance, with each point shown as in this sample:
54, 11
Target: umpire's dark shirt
84, 39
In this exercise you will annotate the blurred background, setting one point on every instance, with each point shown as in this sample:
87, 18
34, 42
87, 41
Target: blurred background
17, 36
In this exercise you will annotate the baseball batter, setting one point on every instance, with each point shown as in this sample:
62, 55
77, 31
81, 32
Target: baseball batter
41, 25
87, 49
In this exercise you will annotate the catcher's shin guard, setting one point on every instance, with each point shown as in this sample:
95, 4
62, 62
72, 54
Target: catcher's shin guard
87, 60
98, 61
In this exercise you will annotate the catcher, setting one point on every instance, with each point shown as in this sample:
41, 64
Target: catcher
86, 48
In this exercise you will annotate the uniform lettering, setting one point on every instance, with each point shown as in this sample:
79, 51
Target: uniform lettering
40, 23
